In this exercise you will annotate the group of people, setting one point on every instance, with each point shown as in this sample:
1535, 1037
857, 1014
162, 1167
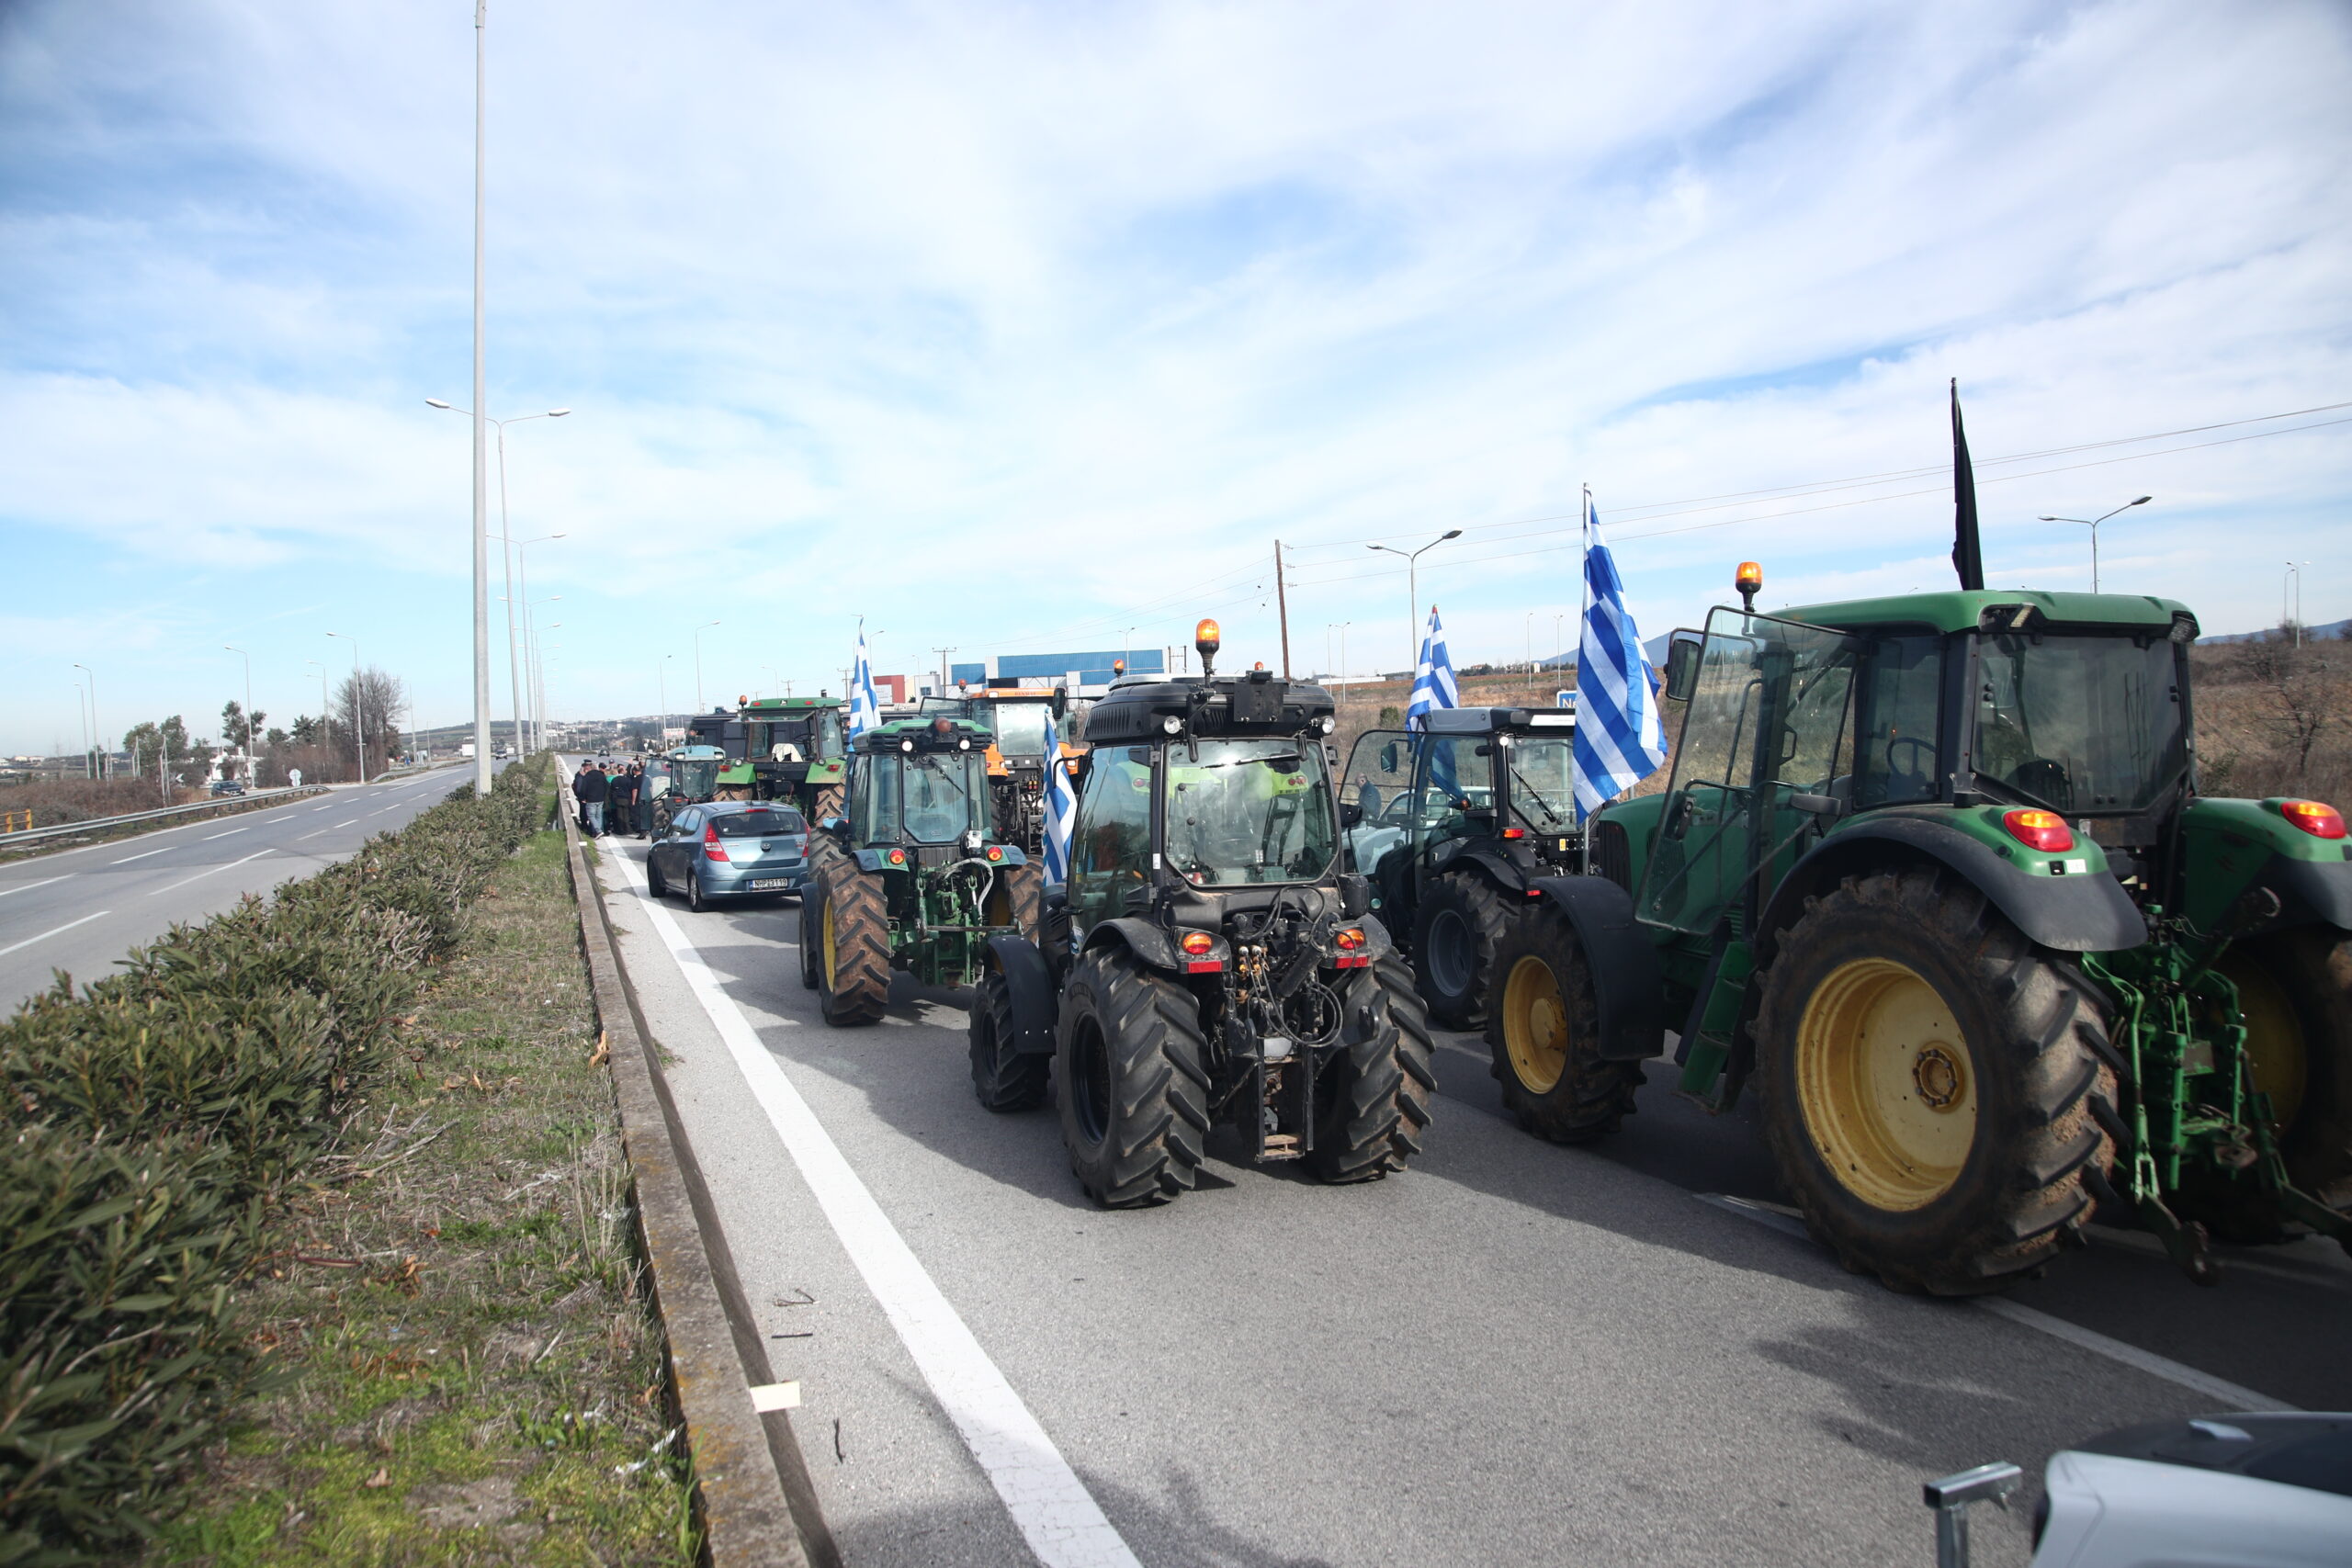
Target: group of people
614, 799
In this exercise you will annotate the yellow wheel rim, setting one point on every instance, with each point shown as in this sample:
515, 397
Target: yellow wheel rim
833, 949
2274, 1036
1886, 1085
1535, 1025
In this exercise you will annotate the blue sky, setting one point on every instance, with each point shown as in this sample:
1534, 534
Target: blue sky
1014, 327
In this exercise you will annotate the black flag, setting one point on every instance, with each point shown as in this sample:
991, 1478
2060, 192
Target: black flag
1967, 555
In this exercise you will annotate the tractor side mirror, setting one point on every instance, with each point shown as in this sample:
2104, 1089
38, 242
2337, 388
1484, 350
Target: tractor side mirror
1683, 665
1350, 814
1388, 758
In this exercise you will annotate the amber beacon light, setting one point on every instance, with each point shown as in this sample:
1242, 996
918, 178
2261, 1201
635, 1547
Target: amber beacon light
1750, 580
1207, 638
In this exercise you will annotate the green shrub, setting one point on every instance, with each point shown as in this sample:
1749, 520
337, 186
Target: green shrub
145, 1126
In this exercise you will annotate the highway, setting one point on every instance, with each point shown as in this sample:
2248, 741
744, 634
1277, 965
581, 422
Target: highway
1513, 1353
80, 910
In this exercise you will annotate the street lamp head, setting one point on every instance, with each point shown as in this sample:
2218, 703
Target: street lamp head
436, 403
2143, 500
1449, 534
558, 413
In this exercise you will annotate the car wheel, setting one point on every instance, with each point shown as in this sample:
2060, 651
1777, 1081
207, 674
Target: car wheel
695, 898
655, 883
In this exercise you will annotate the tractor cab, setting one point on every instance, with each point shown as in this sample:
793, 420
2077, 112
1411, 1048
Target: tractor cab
1015, 719
789, 749
687, 776
919, 783
1452, 824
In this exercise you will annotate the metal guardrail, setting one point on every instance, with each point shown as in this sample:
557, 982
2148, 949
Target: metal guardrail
101, 824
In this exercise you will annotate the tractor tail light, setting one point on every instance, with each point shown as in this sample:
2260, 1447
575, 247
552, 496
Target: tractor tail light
898, 857
2038, 829
1197, 943
711, 848
1514, 832
2319, 820
996, 851
1197, 948
1354, 948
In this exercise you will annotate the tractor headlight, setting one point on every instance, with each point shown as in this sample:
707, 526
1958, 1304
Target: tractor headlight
1171, 724
1328, 723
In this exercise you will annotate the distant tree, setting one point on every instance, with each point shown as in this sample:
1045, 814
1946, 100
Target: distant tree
372, 699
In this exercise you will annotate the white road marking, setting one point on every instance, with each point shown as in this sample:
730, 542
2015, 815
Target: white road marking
210, 837
143, 855
1057, 1515
307, 836
29, 887
2231, 1395
345, 823
202, 874
50, 933
330, 806
394, 807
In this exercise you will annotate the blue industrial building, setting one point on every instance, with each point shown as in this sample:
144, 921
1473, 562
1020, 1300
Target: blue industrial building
1054, 669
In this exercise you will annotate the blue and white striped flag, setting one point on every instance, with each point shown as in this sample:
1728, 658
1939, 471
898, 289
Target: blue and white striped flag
1618, 742
865, 713
1061, 804
1433, 684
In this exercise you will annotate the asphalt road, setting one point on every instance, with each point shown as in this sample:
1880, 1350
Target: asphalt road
81, 910
1513, 1353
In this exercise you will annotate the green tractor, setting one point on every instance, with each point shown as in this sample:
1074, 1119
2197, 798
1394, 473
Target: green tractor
1210, 959
1461, 817
1015, 718
1932, 874
911, 877
786, 749
687, 776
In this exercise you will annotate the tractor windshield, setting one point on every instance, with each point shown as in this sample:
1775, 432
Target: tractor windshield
929, 798
1020, 728
2080, 724
695, 778
1248, 812
1543, 784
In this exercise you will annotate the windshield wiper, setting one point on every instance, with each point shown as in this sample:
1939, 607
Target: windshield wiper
1548, 810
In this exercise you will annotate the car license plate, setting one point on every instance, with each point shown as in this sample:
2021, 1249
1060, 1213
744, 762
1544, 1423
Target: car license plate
769, 884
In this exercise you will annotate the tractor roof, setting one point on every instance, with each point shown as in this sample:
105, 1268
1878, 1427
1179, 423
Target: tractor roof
1959, 610
1480, 721
923, 735
697, 754
771, 705
1255, 704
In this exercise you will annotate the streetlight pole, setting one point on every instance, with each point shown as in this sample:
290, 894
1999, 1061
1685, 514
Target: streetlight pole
359, 717
81, 716
98, 740
2093, 523
662, 675
1413, 594
506, 550
481, 443
698, 631
250, 779
2291, 610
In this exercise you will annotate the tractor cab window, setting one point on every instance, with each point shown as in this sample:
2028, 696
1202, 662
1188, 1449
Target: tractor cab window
1543, 784
1768, 720
927, 797
1111, 845
2080, 724
1020, 728
695, 778
1243, 813
825, 735
1457, 785
1896, 708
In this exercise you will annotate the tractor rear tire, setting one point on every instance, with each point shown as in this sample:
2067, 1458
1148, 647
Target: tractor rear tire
1018, 898
829, 804
1371, 1099
1461, 919
854, 957
2295, 995
812, 931
1544, 1033
1933, 1084
1005, 1079
1131, 1079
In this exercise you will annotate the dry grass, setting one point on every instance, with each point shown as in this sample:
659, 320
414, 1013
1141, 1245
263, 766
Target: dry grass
469, 1371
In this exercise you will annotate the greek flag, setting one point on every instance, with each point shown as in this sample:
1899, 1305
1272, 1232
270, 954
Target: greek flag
865, 713
1433, 688
1061, 806
1618, 742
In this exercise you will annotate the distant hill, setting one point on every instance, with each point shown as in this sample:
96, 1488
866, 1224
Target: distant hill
2311, 634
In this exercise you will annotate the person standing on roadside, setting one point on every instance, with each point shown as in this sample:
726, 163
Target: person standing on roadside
591, 790
624, 801
640, 819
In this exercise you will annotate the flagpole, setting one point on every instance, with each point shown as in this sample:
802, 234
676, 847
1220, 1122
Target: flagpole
1584, 608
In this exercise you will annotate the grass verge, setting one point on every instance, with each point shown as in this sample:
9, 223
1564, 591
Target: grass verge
466, 1368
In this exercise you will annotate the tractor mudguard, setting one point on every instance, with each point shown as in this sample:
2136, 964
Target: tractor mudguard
1621, 959
2233, 847
2072, 914
2311, 893
1488, 857
1151, 943
1034, 1005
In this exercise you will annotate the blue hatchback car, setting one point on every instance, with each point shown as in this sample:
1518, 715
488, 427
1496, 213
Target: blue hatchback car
726, 850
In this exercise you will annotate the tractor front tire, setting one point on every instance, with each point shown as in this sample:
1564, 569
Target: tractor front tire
1131, 1080
1461, 920
1931, 1084
1371, 1099
812, 932
1544, 1034
1003, 1078
853, 951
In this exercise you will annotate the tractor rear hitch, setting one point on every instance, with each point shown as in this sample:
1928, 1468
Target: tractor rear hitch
2184, 1243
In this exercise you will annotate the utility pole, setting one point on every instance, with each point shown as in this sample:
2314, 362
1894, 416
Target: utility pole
1282, 605
943, 653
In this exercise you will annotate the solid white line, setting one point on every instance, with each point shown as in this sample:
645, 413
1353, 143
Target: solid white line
202, 874
142, 854
210, 837
50, 933
28, 886
2234, 1395
1057, 1515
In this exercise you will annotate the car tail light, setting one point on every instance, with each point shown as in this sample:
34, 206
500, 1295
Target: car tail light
711, 848
2320, 821
2037, 829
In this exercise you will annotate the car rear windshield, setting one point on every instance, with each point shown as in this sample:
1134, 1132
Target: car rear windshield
757, 824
